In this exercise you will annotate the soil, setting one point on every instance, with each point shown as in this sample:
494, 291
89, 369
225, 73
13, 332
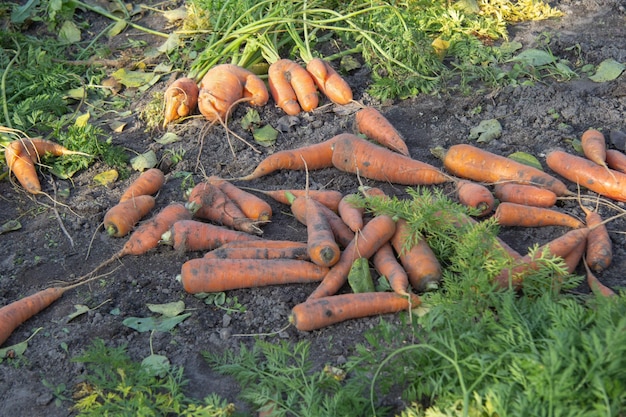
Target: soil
535, 119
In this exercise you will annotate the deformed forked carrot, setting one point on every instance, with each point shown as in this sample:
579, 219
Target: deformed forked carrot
292, 87
328, 80
181, 99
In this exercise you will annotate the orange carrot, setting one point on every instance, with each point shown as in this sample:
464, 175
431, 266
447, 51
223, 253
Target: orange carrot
149, 182
321, 312
22, 166
387, 264
295, 251
594, 283
476, 196
616, 160
350, 214
181, 99
525, 194
253, 207
209, 202
316, 156
573, 258
520, 215
588, 174
321, 244
14, 314
120, 219
38, 147
370, 122
264, 244
356, 155
292, 87
594, 146
194, 235
216, 275
148, 234
599, 252
328, 80
373, 235
329, 198
419, 261
226, 84
469, 162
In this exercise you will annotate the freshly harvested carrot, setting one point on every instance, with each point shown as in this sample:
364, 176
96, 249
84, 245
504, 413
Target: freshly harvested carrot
292, 87
616, 160
594, 283
520, 215
253, 207
22, 166
419, 261
329, 198
572, 259
148, 234
387, 264
355, 155
370, 122
217, 275
321, 244
209, 202
374, 234
476, 196
316, 156
599, 252
350, 214
343, 234
582, 171
120, 219
295, 251
148, 183
194, 235
328, 80
225, 85
181, 99
321, 312
470, 162
593, 144
528, 195
264, 244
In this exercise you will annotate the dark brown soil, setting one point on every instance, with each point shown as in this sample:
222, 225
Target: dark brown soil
535, 119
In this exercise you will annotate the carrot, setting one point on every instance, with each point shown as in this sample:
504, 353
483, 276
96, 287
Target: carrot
296, 251
343, 234
181, 99
22, 166
350, 214
370, 122
520, 215
573, 258
582, 171
209, 202
599, 252
329, 198
121, 218
525, 194
321, 244
226, 84
616, 160
387, 264
148, 234
373, 235
253, 207
194, 235
419, 261
292, 87
38, 147
321, 312
470, 162
328, 80
594, 283
561, 246
149, 182
476, 196
14, 314
216, 275
594, 146
263, 244
355, 155
316, 156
